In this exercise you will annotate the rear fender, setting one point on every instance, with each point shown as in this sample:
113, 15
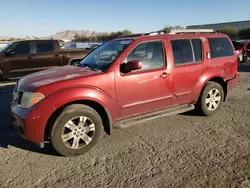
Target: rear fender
204, 78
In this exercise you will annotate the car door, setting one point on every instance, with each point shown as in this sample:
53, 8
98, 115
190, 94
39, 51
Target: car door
189, 64
47, 55
148, 89
19, 61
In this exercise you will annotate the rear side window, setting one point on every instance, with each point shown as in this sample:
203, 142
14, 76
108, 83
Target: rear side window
182, 51
220, 47
197, 47
44, 46
187, 51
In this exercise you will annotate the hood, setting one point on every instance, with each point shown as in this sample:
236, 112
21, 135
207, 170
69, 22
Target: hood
53, 75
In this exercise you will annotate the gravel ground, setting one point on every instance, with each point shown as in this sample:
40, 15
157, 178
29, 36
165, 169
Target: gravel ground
176, 151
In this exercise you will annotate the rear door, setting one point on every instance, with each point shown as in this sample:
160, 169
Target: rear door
47, 55
189, 64
20, 62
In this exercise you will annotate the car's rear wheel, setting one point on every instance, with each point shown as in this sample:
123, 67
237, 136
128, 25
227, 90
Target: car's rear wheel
211, 99
77, 130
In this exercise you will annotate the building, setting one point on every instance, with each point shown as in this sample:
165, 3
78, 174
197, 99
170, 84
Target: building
216, 26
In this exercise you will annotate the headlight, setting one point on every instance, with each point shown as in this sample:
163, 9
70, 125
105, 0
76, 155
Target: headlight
29, 99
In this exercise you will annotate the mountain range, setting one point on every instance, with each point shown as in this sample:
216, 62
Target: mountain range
67, 34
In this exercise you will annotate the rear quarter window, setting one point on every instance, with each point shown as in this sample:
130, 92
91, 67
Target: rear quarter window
220, 47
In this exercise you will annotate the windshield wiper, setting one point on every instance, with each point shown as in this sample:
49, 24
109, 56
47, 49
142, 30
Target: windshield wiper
87, 66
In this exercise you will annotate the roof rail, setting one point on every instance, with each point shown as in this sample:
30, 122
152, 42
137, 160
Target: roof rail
132, 35
160, 32
183, 31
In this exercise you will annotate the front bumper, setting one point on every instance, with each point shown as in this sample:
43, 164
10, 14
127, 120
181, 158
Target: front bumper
29, 125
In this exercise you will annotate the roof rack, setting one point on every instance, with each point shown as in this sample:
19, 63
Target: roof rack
183, 31
160, 32
132, 35
172, 32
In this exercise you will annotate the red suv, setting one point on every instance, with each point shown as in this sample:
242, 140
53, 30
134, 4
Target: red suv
144, 77
242, 48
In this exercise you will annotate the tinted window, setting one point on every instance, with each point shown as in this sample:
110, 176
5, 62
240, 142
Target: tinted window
182, 51
248, 46
238, 45
22, 48
220, 47
44, 46
197, 47
150, 54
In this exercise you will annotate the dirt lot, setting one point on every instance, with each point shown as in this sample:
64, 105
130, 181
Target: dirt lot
177, 151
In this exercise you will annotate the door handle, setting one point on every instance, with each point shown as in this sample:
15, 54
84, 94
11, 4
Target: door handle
165, 75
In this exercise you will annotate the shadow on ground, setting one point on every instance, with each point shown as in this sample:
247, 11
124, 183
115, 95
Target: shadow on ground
8, 135
245, 67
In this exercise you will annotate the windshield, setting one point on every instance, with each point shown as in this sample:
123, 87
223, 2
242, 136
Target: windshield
104, 55
2, 48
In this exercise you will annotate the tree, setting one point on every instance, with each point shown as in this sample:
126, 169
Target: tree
101, 37
233, 33
245, 33
168, 28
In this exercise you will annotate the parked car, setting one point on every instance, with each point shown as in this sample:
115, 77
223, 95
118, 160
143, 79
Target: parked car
70, 106
242, 48
24, 57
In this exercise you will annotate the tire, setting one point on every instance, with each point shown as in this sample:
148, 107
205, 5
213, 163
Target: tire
74, 112
205, 108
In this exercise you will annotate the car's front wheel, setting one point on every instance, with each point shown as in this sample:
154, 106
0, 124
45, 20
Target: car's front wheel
211, 99
77, 130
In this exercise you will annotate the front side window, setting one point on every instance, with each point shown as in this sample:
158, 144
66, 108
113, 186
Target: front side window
220, 47
44, 46
151, 55
103, 56
21, 48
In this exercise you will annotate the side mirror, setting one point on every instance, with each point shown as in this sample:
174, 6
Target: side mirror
9, 52
132, 65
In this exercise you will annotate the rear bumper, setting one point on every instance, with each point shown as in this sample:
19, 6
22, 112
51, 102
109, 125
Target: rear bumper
232, 83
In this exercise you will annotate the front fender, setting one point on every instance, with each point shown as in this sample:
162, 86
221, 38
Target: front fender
41, 113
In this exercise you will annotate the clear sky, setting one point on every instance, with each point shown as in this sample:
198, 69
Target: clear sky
19, 18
